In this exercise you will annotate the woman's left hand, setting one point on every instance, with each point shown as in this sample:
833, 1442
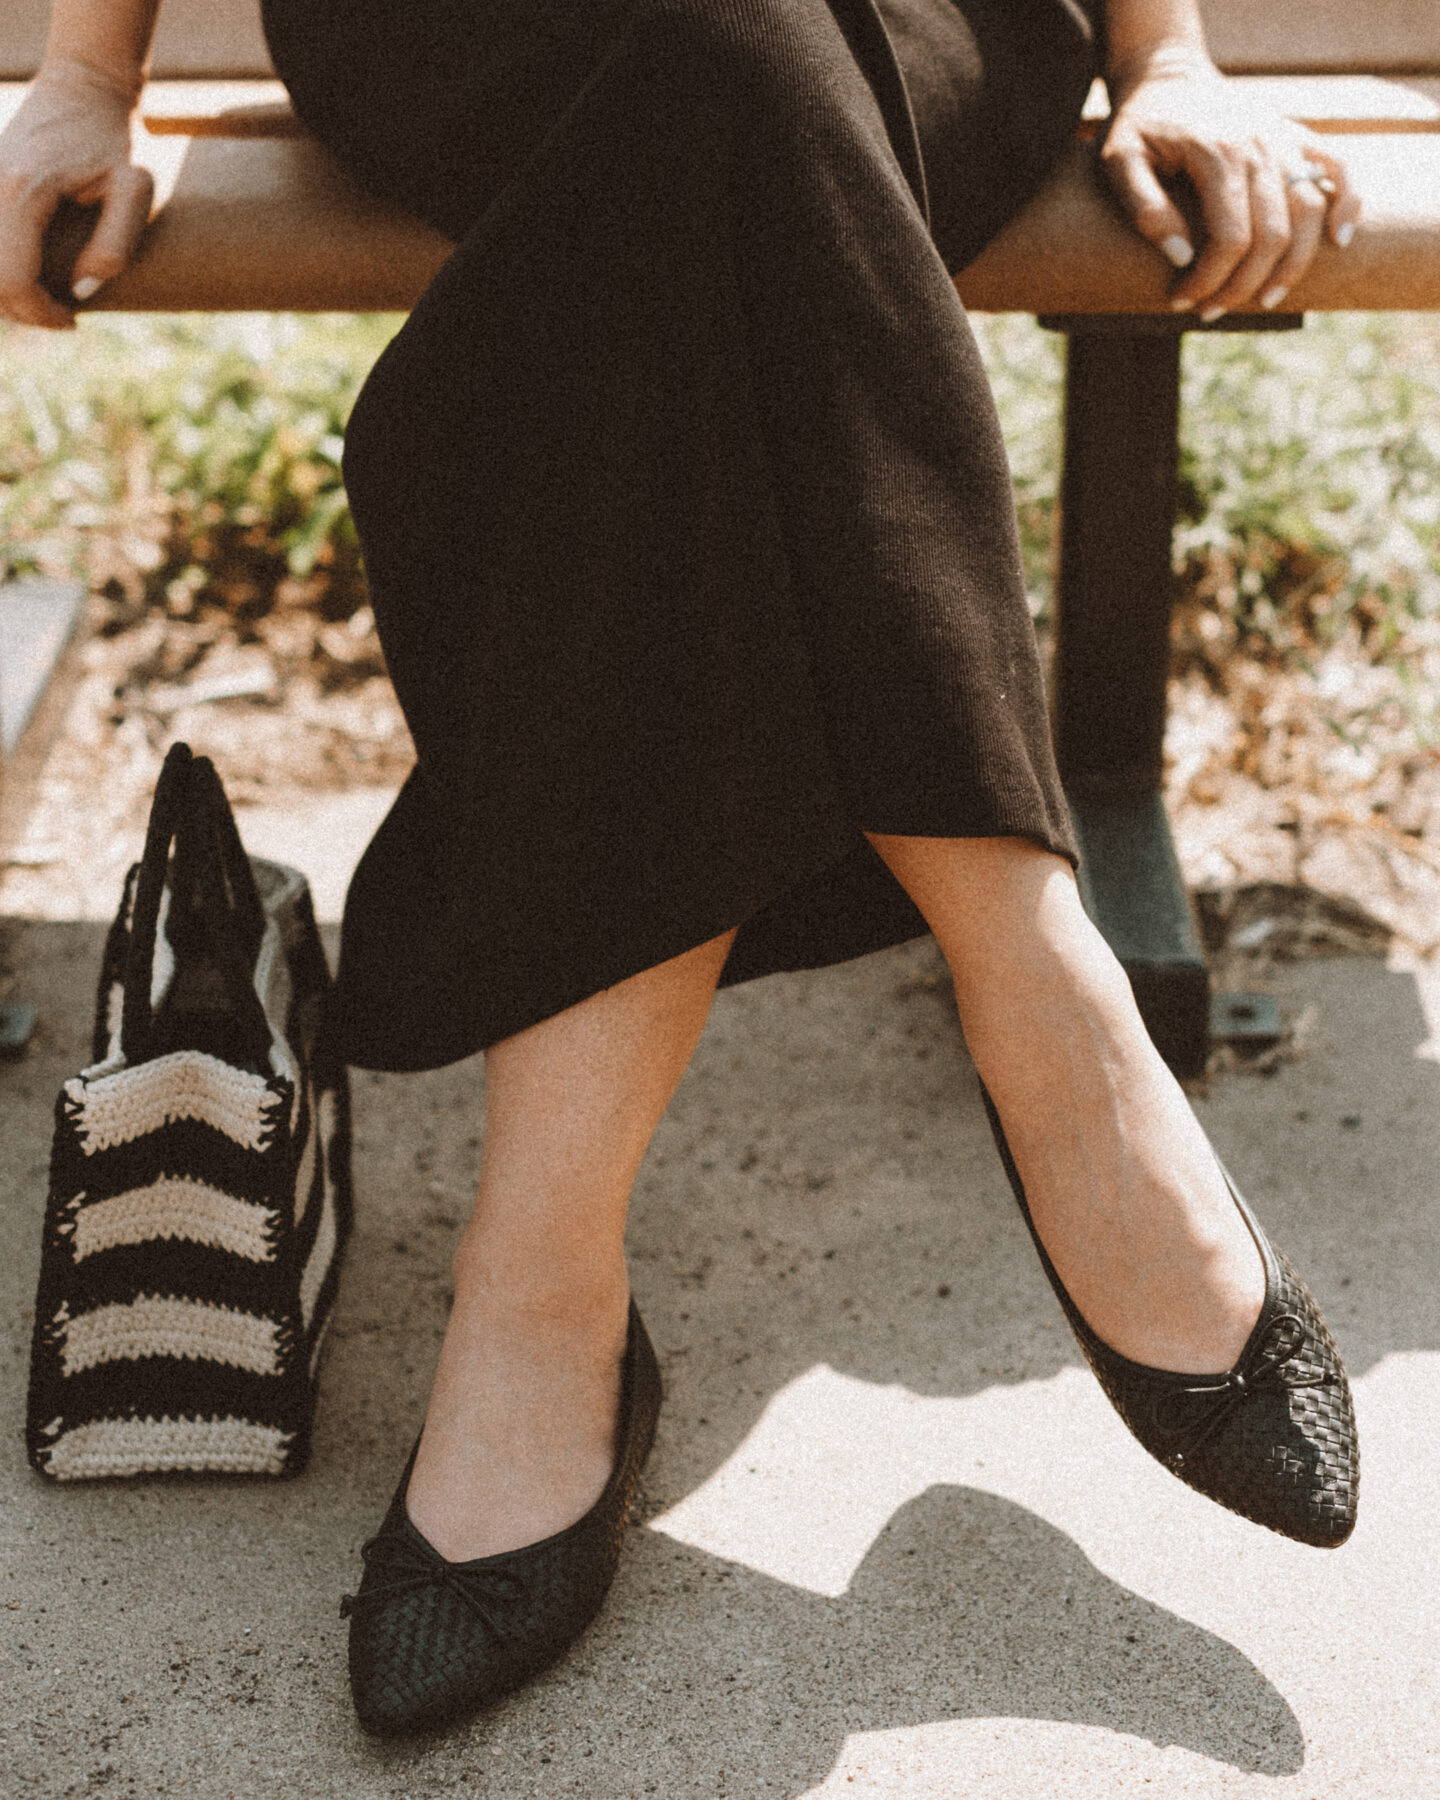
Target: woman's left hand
1268, 190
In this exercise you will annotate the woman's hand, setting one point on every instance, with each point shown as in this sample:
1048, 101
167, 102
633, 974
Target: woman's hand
1267, 189
70, 139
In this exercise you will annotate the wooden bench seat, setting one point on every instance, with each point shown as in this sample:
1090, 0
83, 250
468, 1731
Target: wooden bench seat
252, 215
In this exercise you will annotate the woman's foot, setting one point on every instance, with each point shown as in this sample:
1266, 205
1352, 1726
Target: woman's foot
432, 1640
519, 1438
1122, 1184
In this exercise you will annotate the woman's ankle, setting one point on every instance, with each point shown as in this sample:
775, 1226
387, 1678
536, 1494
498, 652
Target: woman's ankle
519, 1431
578, 1291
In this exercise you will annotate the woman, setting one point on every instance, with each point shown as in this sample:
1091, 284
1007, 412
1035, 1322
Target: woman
690, 537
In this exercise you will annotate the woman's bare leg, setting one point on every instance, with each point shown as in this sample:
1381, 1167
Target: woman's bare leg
520, 1433
1122, 1184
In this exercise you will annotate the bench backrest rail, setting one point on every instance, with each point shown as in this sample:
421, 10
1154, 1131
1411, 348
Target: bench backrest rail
222, 38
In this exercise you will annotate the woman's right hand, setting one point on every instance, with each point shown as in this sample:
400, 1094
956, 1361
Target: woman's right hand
70, 139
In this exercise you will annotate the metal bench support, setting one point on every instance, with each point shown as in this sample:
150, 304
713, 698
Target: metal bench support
1112, 653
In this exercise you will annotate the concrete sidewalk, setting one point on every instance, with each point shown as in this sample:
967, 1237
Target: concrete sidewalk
894, 1543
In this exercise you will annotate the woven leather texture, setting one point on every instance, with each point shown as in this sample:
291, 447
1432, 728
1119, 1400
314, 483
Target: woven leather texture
1272, 1439
432, 1640
1285, 1456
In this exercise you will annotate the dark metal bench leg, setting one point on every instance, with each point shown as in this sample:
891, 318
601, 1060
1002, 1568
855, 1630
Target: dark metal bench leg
1112, 636
17, 1026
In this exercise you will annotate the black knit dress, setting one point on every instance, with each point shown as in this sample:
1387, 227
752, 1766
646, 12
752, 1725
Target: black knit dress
683, 502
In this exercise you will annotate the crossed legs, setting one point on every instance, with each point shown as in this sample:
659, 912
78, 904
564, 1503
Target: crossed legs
1124, 1189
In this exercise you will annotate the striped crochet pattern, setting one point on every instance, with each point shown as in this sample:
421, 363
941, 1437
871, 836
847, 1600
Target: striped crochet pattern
111, 1447
197, 1215
109, 1110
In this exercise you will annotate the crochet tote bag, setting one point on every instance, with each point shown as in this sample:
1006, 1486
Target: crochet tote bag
200, 1180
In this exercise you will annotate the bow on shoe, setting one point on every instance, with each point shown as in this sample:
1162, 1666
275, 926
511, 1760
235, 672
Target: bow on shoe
1268, 1367
412, 1568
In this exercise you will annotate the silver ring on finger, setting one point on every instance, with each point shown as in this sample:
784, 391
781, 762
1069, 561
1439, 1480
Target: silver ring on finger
1312, 174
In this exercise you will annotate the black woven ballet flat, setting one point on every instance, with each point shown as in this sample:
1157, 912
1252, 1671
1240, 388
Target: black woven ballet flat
431, 1640
1274, 1439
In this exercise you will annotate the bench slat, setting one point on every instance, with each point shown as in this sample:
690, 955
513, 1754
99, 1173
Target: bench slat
223, 37
260, 222
193, 37
1331, 103
1343, 36
270, 224
1342, 104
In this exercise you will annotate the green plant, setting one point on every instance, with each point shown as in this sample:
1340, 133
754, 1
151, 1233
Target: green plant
188, 463
1310, 490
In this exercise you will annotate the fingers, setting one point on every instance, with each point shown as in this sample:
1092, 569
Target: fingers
33, 306
1150, 209
1223, 186
1264, 222
1307, 228
1268, 191
1344, 210
124, 194
1273, 209
22, 227
125, 211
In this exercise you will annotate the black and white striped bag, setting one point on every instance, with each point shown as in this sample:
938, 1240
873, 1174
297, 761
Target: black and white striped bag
200, 1180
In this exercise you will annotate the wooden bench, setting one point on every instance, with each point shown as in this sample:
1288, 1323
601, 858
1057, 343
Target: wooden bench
252, 215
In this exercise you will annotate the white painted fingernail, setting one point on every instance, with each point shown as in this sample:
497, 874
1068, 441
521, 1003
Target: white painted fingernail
1272, 297
1181, 304
1211, 314
1345, 235
1180, 251
87, 287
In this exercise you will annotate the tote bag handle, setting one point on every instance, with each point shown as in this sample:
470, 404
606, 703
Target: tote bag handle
213, 897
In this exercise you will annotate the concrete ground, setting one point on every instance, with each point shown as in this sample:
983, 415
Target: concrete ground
892, 1541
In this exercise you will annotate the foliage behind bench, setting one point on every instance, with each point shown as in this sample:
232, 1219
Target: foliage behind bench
192, 462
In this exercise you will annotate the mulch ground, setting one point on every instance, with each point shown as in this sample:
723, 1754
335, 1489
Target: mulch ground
1305, 800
